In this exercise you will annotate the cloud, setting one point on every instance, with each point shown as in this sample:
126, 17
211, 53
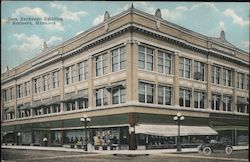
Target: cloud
79, 32
66, 14
54, 40
204, 5
27, 11
57, 26
215, 32
246, 43
31, 44
4, 21
98, 19
236, 19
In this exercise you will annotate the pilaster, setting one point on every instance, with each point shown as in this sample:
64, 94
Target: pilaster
176, 78
209, 81
90, 82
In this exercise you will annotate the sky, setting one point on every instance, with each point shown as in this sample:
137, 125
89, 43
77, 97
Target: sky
21, 42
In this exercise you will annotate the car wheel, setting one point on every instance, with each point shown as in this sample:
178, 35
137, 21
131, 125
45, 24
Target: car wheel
207, 151
228, 150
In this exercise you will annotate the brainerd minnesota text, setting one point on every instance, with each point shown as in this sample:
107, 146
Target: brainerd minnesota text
34, 20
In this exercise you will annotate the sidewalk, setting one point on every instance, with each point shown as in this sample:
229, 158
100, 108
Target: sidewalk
130, 152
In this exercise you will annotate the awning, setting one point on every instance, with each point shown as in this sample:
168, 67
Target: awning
241, 101
9, 109
53, 101
25, 106
80, 95
37, 104
75, 96
172, 130
116, 86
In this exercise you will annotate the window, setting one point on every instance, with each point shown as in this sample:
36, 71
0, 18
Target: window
118, 59
146, 92
164, 62
185, 98
227, 103
36, 85
82, 70
46, 82
19, 90
26, 88
164, 95
12, 93
70, 106
101, 64
242, 105
69, 75
55, 79
215, 102
199, 71
146, 58
118, 95
240, 81
199, 99
185, 67
216, 74
6, 94
101, 96
82, 103
227, 77
56, 108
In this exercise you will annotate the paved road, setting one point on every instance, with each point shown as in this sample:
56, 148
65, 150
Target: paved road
11, 155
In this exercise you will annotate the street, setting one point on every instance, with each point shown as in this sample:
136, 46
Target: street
13, 155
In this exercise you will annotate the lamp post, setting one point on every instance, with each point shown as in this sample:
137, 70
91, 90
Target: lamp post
85, 120
18, 138
178, 118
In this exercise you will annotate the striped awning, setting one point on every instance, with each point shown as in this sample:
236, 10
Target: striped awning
172, 130
38, 104
53, 101
241, 101
25, 106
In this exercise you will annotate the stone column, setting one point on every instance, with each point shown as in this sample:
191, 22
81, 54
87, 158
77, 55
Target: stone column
192, 90
134, 68
31, 96
129, 70
234, 84
155, 93
176, 79
90, 81
62, 78
209, 81
15, 100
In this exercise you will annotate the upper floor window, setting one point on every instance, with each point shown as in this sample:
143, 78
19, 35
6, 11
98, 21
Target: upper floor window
164, 62
69, 75
185, 67
240, 84
227, 103
46, 82
199, 99
242, 105
215, 104
118, 59
19, 91
185, 97
118, 95
6, 94
101, 64
26, 88
146, 58
11, 93
55, 79
36, 85
101, 96
199, 71
146, 92
216, 74
227, 77
82, 70
164, 95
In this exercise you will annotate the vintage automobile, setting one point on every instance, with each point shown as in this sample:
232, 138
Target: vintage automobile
215, 146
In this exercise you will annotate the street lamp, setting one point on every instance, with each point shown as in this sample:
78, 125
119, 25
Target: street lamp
85, 120
18, 138
178, 118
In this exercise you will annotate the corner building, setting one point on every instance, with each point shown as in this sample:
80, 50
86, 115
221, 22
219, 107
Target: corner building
130, 75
